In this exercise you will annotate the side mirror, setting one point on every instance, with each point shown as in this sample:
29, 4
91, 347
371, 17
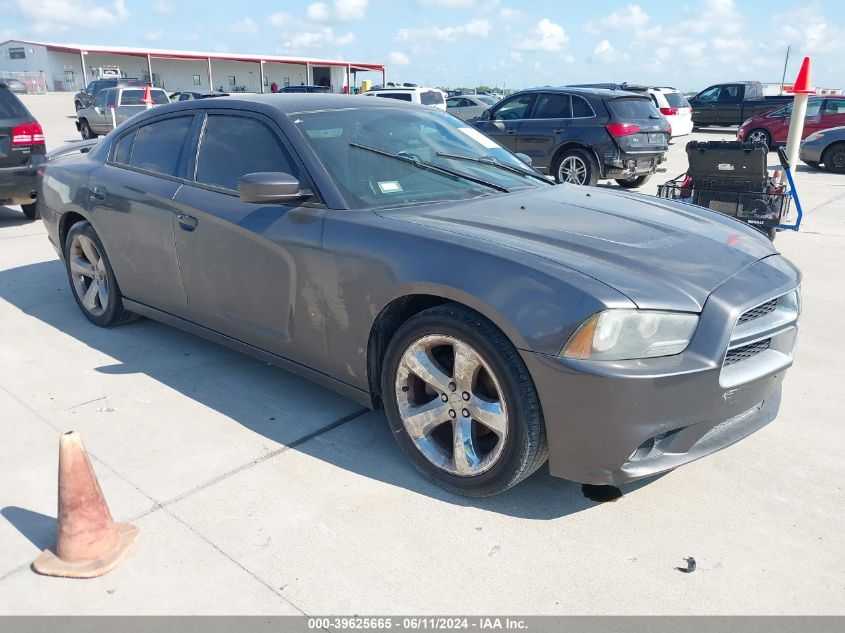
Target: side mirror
485, 115
269, 186
525, 158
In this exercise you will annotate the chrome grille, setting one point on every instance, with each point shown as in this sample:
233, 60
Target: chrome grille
745, 352
759, 311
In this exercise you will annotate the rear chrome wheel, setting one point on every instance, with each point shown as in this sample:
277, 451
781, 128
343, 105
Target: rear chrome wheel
461, 403
573, 170
451, 405
90, 280
91, 276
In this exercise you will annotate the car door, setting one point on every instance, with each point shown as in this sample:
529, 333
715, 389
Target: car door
545, 128
98, 112
729, 109
251, 270
505, 119
131, 205
834, 113
453, 106
704, 105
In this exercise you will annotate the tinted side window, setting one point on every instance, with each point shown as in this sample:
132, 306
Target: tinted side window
159, 145
233, 146
11, 107
454, 102
100, 99
514, 108
431, 97
403, 96
552, 106
580, 107
123, 152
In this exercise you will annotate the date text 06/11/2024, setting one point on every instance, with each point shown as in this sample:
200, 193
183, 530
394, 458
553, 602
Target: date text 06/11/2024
421, 623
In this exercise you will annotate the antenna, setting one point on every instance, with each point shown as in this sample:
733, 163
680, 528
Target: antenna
785, 62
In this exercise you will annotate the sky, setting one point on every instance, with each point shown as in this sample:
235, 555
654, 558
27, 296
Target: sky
507, 43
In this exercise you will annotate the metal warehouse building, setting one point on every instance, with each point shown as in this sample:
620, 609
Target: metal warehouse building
54, 67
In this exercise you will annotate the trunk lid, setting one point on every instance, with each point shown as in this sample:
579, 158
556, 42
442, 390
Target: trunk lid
637, 126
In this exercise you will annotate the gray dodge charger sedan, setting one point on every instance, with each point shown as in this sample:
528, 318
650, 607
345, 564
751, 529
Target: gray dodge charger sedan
402, 258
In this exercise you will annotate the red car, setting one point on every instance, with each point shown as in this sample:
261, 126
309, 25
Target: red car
772, 127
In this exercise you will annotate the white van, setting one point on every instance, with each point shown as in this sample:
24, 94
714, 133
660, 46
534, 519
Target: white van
424, 96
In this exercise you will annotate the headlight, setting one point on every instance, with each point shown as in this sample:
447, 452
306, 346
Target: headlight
628, 334
814, 136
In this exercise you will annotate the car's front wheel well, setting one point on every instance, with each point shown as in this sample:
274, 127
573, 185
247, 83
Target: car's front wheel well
389, 320
67, 221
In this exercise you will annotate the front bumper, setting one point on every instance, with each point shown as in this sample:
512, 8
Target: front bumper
811, 152
616, 422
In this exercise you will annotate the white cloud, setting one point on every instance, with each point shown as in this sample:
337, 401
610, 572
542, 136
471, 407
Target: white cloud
631, 18
547, 36
154, 36
508, 14
604, 51
473, 28
316, 37
338, 11
516, 56
247, 26
448, 4
279, 19
163, 6
61, 15
398, 59
809, 32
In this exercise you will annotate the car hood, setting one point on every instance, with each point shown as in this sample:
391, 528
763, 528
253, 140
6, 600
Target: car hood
660, 254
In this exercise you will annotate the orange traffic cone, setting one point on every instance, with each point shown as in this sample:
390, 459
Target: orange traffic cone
803, 84
148, 97
89, 543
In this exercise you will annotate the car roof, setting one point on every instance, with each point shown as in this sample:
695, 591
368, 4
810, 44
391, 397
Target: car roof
598, 92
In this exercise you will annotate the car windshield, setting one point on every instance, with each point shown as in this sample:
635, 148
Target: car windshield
489, 100
390, 156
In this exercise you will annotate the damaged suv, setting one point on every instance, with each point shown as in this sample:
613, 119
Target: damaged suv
582, 135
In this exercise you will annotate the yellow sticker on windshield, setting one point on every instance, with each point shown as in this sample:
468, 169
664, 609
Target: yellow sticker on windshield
389, 186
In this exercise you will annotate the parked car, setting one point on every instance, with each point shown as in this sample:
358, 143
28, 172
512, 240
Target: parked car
582, 135
15, 85
112, 107
772, 128
468, 107
732, 103
669, 101
85, 97
826, 147
304, 88
425, 96
188, 95
22, 151
391, 253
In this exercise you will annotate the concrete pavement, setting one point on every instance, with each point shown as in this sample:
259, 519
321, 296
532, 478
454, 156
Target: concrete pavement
258, 492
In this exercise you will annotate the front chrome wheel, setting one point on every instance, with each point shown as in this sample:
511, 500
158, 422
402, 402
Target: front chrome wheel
572, 169
89, 275
758, 136
451, 404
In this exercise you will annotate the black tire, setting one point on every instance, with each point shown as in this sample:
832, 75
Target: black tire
583, 157
77, 105
632, 183
834, 158
85, 129
772, 234
113, 313
760, 135
524, 447
812, 163
30, 211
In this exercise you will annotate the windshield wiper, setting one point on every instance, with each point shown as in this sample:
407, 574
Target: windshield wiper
492, 160
406, 157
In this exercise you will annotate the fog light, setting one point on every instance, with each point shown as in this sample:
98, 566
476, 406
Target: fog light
654, 446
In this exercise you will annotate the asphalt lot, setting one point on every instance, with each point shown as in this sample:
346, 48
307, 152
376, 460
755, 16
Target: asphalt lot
257, 492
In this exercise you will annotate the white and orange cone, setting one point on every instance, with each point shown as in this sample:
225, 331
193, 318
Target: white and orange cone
89, 542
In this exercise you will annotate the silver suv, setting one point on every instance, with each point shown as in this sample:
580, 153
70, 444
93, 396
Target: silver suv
112, 107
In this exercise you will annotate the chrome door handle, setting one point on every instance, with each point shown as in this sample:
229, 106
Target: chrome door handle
99, 193
187, 222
